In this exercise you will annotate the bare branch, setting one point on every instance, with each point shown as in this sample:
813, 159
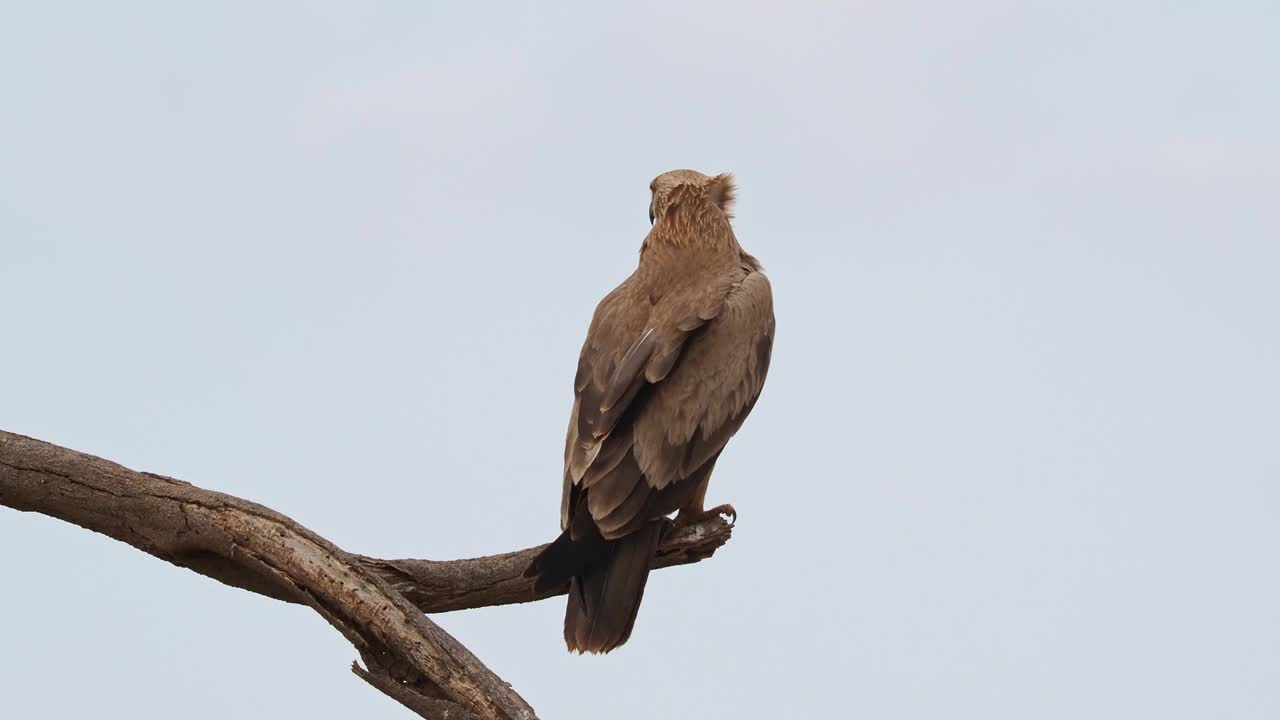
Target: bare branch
259, 548
444, 585
376, 604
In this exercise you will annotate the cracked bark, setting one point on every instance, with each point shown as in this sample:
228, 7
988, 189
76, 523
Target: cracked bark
376, 604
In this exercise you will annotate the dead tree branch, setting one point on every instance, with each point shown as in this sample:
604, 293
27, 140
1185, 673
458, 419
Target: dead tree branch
376, 604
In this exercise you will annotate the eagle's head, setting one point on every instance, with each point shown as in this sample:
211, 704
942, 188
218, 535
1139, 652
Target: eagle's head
678, 187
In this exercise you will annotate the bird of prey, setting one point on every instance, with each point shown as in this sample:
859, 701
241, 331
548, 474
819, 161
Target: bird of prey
674, 360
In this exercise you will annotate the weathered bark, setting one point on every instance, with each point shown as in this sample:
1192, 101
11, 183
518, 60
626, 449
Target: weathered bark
376, 604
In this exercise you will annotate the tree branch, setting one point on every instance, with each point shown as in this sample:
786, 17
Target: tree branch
376, 604
445, 585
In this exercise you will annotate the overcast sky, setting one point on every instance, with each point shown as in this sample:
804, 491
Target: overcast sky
1019, 451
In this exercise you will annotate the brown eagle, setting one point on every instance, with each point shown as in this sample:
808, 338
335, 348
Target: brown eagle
673, 362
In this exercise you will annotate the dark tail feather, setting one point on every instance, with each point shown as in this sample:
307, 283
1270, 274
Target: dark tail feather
604, 598
567, 556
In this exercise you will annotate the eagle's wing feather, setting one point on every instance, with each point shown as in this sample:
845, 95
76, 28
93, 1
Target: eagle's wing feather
710, 391
660, 389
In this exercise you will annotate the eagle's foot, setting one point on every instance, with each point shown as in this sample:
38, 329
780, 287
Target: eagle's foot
687, 516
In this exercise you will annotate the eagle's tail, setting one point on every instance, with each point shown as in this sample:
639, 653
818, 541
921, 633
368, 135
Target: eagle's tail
606, 583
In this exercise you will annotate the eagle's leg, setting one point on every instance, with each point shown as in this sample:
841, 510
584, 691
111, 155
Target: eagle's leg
692, 512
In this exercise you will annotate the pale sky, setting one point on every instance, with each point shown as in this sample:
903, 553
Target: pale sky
1019, 451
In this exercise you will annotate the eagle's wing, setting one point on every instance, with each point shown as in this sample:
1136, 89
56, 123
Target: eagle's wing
660, 389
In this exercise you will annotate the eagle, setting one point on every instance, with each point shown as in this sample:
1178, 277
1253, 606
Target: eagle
674, 360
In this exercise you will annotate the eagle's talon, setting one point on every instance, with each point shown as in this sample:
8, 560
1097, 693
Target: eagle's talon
725, 509
687, 517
